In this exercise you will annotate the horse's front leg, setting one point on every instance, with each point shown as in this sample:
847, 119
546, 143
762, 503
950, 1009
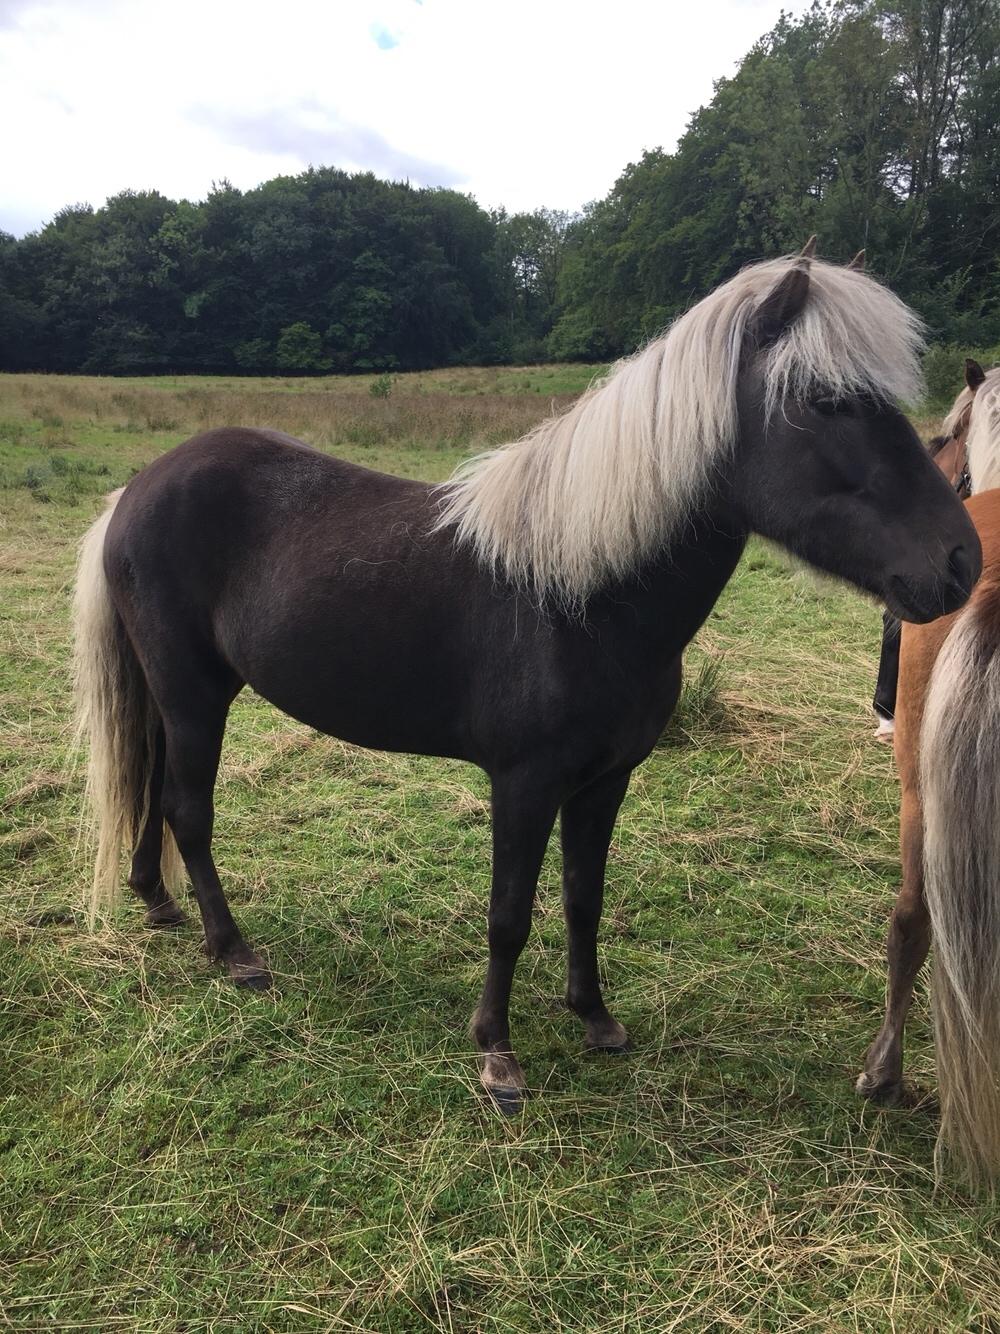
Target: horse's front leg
907, 946
523, 815
588, 819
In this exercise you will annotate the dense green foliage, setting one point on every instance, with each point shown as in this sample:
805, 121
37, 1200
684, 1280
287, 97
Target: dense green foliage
319, 271
875, 123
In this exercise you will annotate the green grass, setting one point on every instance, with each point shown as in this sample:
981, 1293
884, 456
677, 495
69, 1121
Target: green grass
178, 1156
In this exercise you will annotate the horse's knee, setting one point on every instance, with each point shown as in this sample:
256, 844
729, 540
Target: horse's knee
583, 916
508, 934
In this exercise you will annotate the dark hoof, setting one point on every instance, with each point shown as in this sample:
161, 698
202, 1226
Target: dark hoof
507, 1098
165, 915
606, 1034
254, 979
610, 1048
890, 1094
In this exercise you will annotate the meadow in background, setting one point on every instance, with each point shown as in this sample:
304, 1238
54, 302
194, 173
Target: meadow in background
177, 1155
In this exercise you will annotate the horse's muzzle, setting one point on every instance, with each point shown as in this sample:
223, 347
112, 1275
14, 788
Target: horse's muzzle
920, 602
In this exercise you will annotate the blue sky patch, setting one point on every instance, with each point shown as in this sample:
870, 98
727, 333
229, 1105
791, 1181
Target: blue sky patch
382, 37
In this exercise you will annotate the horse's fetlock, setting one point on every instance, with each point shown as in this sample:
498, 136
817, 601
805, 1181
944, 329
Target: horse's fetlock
481, 1035
144, 884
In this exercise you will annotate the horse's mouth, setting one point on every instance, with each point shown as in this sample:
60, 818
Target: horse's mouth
920, 604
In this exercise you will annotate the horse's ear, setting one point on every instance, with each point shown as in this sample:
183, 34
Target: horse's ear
782, 305
858, 262
808, 251
974, 374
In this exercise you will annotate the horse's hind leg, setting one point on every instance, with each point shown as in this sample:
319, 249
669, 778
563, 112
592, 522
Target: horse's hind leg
588, 819
194, 733
146, 876
907, 946
523, 815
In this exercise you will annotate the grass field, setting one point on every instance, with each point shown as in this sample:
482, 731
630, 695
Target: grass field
179, 1156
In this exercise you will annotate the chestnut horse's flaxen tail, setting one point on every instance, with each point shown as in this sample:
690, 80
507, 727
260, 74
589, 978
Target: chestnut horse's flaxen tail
117, 719
960, 783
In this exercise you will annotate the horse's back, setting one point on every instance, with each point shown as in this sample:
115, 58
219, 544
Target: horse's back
270, 473
236, 493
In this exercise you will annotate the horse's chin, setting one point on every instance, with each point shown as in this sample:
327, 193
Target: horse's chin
920, 603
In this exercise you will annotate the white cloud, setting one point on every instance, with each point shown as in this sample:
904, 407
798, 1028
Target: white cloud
523, 103
308, 130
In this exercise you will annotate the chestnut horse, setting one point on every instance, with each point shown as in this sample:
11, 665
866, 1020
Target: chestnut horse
947, 744
528, 617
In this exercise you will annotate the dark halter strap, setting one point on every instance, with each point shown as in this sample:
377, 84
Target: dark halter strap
964, 484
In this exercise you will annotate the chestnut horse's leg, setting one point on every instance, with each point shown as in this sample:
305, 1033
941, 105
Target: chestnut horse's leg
908, 943
193, 747
524, 812
145, 876
588, 819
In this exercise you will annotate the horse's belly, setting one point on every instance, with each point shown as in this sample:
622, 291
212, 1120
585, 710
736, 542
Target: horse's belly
386, 702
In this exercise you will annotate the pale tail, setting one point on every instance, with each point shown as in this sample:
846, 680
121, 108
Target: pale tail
115, 720
960, 783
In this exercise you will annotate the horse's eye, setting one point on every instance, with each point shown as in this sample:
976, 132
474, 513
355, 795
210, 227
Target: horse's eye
826, 406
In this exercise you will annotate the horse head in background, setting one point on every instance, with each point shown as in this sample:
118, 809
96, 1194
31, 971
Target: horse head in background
949, 449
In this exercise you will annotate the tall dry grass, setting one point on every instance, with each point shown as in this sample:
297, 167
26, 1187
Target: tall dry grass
411, 417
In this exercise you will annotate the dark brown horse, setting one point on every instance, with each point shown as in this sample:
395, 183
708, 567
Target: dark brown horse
528, 617
947, 745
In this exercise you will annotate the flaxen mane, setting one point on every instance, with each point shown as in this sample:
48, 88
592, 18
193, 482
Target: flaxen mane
588, 496
957, 418
983, 441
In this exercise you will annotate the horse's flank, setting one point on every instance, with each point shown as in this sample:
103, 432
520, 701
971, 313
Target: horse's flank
591, 495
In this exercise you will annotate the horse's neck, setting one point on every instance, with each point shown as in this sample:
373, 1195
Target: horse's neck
666, 603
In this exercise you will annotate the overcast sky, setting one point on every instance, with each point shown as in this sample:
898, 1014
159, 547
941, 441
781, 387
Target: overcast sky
525, 103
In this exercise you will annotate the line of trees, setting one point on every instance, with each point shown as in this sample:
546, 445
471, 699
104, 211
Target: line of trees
321, 271
875, 123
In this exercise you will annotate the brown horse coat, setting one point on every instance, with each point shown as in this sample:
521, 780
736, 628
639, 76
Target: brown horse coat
947, 744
